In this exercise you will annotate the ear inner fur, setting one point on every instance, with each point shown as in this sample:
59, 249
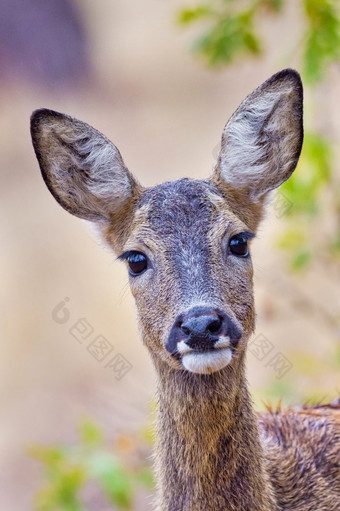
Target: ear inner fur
83, 170
261, 143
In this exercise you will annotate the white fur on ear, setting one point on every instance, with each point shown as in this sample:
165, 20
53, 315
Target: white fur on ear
82, 169
261, 143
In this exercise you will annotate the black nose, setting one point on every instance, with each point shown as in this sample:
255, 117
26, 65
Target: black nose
201, 328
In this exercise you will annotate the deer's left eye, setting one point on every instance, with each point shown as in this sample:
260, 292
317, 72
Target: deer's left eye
238, 245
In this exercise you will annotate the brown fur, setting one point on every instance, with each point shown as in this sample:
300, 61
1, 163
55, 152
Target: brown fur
302, 449
213, 453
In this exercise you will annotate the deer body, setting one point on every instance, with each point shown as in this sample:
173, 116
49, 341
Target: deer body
186, 245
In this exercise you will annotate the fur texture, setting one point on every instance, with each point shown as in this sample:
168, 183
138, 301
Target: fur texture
83, 170
213, 453
262, 141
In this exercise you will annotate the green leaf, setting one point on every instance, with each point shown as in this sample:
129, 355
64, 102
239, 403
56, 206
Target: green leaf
187, 16
313, 172
90, 434
50, 456
301, 259
61, 492
112, 477
292, 238
322, 42
230, 36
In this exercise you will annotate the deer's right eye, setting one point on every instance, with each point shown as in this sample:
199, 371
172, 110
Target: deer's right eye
137, 262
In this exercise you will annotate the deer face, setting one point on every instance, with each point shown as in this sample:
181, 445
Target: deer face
186, 243
191, 274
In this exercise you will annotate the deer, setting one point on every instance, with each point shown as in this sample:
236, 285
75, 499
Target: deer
186, 244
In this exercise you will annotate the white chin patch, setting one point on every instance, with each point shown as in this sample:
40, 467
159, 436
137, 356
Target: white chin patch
208, 362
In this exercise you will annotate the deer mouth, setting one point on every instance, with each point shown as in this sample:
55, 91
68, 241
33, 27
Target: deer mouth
203, 339
206, 359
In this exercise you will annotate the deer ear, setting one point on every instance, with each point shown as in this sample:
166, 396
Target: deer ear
261, 143
83, 170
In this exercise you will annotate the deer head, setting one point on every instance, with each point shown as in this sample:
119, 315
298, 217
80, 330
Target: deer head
186, 243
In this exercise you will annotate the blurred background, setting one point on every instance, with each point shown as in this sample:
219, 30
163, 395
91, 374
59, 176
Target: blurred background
160, 79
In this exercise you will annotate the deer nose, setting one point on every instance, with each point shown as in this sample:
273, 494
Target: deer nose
200, 329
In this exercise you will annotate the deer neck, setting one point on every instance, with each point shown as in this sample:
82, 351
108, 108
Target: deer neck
208, 454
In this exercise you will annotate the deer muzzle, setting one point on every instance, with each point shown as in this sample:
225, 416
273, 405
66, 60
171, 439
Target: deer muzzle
203, 339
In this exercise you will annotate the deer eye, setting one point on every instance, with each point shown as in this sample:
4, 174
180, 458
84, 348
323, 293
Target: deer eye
238, 244
137, 263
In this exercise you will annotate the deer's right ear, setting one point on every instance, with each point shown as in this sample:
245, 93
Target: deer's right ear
83, 170
261, 142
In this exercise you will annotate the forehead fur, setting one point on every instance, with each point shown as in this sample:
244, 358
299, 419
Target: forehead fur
180, 204
177, 210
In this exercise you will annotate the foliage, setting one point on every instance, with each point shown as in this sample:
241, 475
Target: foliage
229, 29
303, 192
322, 40
229, 34
71, 470
314, 172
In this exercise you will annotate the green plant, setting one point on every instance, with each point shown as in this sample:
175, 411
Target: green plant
70, 470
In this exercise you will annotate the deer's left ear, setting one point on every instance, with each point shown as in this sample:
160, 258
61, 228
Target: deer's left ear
261, 143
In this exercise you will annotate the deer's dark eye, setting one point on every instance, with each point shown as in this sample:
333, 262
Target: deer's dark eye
137, 262
238, 245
